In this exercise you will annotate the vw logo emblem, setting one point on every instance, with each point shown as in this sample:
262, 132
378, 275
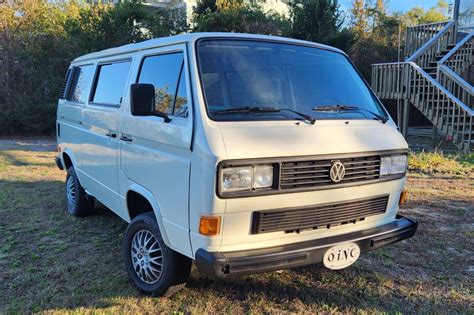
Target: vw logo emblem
337, 171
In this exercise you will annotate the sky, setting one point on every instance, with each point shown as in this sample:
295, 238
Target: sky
398, 5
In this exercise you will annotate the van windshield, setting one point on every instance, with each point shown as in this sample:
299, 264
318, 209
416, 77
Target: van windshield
256, 80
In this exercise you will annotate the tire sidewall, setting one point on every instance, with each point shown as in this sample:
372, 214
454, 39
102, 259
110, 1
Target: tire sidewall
167, 275
72, 209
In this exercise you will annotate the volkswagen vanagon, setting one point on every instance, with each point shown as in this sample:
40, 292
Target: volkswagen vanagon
242, 153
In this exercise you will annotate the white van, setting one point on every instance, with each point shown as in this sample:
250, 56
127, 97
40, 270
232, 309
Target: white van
242, 153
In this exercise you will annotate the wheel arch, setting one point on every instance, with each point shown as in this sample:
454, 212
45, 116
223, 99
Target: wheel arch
68, 159
135, 197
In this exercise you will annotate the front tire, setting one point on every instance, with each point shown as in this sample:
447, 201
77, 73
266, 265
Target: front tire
78, 202
154, 268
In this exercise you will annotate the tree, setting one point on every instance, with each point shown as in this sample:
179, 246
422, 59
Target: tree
245, 18
380, 6
376, 35
203, 6
360, 25
418, 15
318, 21
229, 4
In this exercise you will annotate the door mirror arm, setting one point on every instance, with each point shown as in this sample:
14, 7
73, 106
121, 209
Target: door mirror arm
165, 116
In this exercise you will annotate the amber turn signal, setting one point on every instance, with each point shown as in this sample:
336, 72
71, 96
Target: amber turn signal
209, 225
403, 197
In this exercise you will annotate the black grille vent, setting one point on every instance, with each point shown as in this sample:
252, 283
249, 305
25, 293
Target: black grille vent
63, 91
321, 216
307, 174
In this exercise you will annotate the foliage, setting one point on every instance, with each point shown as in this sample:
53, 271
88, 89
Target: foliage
377, 34
318, 21
242, 18
203, 6
229, 4
379, 44
39, 38
418, 15
30, 33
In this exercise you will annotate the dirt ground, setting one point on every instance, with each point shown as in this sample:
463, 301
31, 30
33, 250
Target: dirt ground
52, 262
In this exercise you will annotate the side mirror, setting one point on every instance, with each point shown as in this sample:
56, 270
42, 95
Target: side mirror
142, 99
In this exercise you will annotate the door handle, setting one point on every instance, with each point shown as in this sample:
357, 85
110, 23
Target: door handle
123, 138
111, 135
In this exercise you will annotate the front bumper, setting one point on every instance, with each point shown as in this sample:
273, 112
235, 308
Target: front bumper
226, 264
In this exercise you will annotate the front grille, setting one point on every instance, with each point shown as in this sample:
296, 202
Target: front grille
314, 173
320, 216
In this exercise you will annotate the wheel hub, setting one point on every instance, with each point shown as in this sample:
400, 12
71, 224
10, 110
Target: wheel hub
146, 255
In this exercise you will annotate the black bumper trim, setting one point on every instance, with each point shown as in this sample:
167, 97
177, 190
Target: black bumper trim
221, 265
59, 164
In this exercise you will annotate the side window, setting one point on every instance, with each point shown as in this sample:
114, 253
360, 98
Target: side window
110, 83
80, 86
165, 73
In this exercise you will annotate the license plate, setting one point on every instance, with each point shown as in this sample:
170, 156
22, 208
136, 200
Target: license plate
341, 256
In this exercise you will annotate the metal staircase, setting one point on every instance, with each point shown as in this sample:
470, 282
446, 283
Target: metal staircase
435, 78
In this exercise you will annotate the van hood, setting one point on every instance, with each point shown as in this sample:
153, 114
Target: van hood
300, 139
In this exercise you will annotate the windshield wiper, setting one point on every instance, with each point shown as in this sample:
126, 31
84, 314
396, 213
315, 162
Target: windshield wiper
262, 110
346, 108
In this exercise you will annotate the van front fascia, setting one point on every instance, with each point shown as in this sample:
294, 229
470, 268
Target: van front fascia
278, 164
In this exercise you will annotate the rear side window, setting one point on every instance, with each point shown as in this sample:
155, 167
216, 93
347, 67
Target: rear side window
166, 74
64, 87
110, 83
82, 80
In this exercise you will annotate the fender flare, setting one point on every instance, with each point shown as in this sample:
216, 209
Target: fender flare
154, 204
74, 162
71, 155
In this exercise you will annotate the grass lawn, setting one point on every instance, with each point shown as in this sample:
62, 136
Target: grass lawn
53, 262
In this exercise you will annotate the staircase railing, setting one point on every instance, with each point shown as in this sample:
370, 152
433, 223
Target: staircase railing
456, 85
452, 66
441, 107
461, 56
433, 47
389, 80
417, 36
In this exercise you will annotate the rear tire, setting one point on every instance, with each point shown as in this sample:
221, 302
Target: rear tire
153, 267
78, 202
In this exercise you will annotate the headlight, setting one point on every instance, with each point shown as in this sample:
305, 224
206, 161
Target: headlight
395, 164
246, 178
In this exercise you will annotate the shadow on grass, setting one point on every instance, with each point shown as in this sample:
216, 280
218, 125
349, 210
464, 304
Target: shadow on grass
15, 160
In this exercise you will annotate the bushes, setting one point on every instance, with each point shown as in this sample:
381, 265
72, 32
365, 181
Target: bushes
241, 19
38, 39
439, 163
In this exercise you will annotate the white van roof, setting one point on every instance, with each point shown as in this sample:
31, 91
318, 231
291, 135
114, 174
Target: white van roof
190, 37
